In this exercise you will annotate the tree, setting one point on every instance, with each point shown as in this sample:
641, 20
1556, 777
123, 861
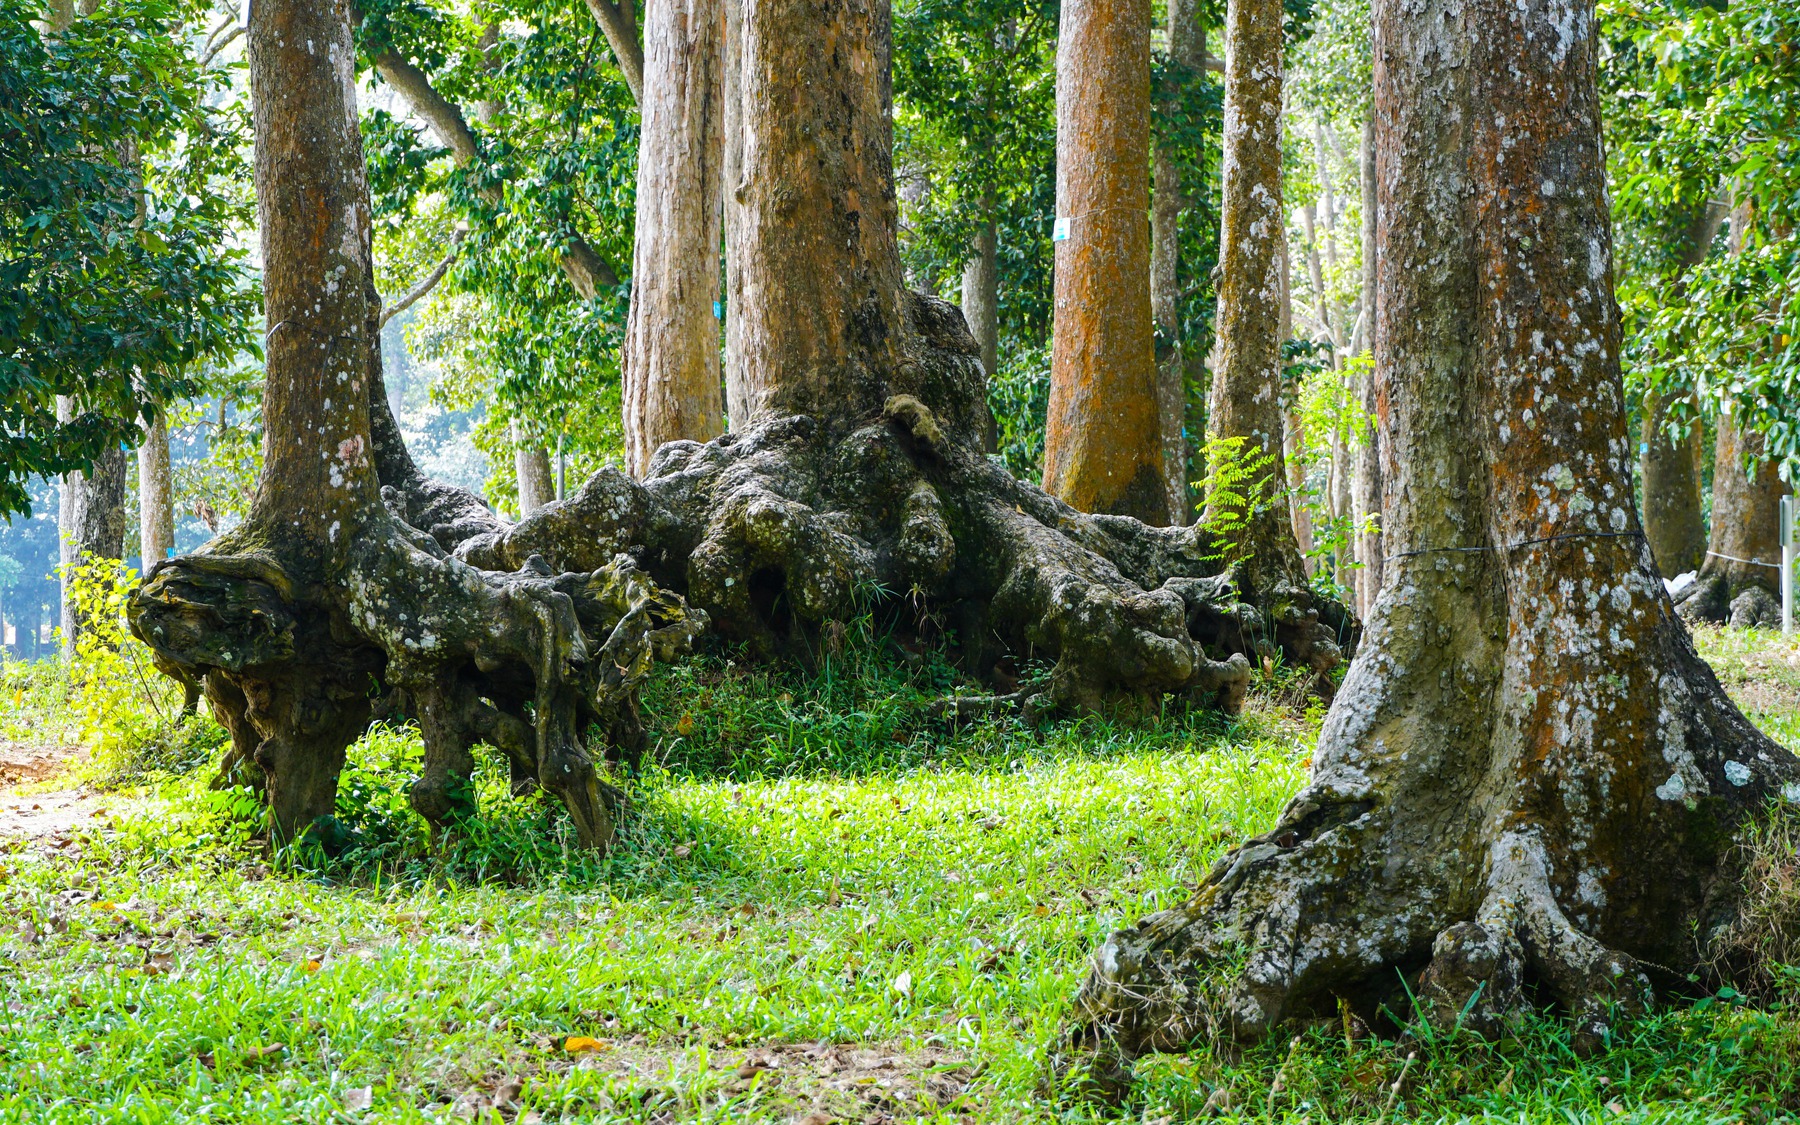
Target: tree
323, 590
1246, 390
1740, 577
1674, 515
1187, 61
1103, 446
671, 357
156, 493
1528, 773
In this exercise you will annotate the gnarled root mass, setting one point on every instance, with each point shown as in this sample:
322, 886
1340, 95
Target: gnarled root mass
1715, 598
1460, 844
527, 661
781, 529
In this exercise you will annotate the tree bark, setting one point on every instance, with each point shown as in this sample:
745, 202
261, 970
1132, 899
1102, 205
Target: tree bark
1369, 495
531, 465
1674, 510
1168, 200
981, 293
1103, 442
1740, 579
1246, 391
156, 494
325, 591
1528, 775
615, 20
671, 355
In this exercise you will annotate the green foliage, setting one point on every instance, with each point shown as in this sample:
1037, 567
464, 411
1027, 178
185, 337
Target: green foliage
938, 909
558, 146
119, 702
1701, 104
117, 199
1239, 485
1019, 395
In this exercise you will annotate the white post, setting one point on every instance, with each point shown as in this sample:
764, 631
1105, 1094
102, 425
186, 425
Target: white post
1787, 565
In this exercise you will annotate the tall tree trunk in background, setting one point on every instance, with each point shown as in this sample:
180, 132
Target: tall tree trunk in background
1528, 776
1293, 447
981, 292
1369, 495
1103, 442
92, 524
156, 494
1246, 390
1187, 47
1740, 581
1674, 510
531, 466
671, 355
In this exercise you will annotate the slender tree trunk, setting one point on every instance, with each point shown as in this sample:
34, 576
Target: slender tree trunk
1315, 272
981, 293
156, 494
1168, 200
531, 466
1293, 447
91, 525
1740, 579
1246, 390
1528, 775
1369, 496
1103, 443
1674, 512
671, 358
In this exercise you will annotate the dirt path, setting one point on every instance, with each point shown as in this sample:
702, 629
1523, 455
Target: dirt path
41, 813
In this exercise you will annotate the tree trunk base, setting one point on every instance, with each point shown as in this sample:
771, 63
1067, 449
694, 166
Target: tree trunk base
526, 661
1717, 600
781, 530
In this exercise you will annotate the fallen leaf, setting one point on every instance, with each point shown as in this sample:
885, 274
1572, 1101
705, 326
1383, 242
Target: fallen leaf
266, 1053
311, 965
576, 1044
682, 851
1615, 1108
903, 983
360, 1098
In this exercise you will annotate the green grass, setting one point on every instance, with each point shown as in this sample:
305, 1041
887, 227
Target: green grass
809, 860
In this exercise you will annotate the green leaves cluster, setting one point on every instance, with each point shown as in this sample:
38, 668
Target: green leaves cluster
120, 189
1704, 109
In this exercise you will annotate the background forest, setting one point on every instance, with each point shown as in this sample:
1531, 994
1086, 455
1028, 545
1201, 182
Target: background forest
835, 896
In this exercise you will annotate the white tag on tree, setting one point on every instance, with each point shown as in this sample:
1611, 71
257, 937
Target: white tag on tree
1060, 232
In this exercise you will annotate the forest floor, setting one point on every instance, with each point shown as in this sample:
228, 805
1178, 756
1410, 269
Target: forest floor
824, 908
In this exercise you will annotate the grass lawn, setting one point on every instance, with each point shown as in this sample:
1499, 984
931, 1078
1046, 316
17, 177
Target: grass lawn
825, 907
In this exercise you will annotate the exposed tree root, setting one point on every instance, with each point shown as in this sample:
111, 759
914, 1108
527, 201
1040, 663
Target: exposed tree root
1717, 600
527, 661
781, 529
1450, 862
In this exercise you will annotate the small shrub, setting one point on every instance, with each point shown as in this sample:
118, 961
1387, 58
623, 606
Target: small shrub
120, 704
1761, 948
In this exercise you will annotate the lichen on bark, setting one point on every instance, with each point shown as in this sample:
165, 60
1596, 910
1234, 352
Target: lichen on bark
1528, 775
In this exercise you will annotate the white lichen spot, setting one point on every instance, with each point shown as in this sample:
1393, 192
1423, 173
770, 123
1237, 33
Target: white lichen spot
1737, 773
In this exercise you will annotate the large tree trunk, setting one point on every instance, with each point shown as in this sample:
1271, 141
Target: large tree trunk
156, 494
671, 355
1187, 46
1528, 777
1246, 390
1103, 442
323, 590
